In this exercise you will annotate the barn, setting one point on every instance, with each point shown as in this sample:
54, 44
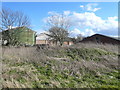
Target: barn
24, 35
42, 38
98, 38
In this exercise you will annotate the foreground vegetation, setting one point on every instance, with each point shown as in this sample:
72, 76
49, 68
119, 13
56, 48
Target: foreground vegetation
78, 66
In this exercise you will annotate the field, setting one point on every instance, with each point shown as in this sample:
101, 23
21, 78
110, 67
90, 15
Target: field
78, 66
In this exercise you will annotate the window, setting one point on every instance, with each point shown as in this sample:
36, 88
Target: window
97, 40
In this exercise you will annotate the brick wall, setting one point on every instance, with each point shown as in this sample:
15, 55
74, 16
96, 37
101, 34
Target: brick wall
51, 42
41, 42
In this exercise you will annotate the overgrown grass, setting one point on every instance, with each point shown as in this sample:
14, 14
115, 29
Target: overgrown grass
61, 67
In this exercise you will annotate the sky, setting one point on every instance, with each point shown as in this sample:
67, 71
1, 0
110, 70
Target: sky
88, 18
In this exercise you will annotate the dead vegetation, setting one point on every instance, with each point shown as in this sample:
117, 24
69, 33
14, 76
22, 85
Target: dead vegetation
80, 66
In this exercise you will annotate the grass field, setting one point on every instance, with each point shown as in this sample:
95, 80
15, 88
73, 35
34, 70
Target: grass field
79, 66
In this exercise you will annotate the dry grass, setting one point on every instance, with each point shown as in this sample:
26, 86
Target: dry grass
108, 47
26, 67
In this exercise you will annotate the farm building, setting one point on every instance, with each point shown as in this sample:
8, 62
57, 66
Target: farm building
24, 35
98, 38
44, 39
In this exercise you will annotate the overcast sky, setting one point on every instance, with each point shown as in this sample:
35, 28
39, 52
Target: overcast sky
88, 17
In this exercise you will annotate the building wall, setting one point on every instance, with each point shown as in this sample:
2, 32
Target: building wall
71, 43
45, 42
44, 39
68, 43
42, 42
52, 42
24, 35
27, 37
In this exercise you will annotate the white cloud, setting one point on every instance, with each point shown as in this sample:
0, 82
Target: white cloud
90, 7
75, 32
82, 6
66, 12
52, 13
90, 23
113, 18
89, 32
55, 13
86, 19
96, 23
86, 32
95, 9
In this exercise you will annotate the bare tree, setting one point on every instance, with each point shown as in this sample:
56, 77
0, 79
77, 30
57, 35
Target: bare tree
58, 34
59, 25
7, 19
10, 20
22, 20
79, 37
59, 20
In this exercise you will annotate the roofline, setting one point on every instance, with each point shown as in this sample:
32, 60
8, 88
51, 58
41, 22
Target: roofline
19, 27
103, 36
106, 36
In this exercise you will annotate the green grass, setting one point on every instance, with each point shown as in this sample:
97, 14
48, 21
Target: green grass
94, 54
75, 72
54, 79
